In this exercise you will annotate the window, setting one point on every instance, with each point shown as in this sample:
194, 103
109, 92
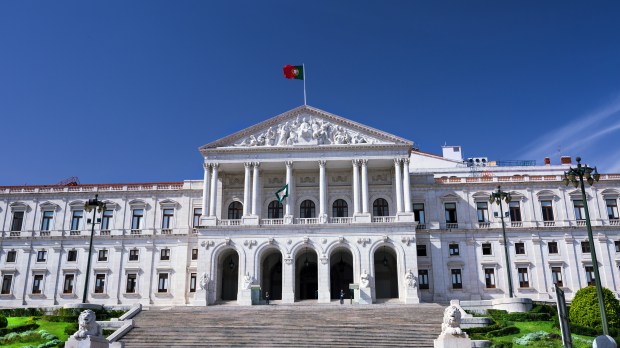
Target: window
37, 283
136, 219
552, 247
616, 244
487, 249
68, 284
235, 210
76, 220
103, 255
11, 255
421, 249
454, 249
192, 282
18, 221
340, 208
457, 282
275, 210
556, 274
41, 255
306, 210
99, 283
547, 210
585, 247
489, 278
482, 209
515, 211
164, 254
612, 209
168, 214
46, 221
163, 283
418, 213
590, 276
197, 215
106, 220
7, 279
524, 278
451, 213
71, 255
380, 207
194, 254
580, 211
423, 278
520, 248
134, 254
131, 283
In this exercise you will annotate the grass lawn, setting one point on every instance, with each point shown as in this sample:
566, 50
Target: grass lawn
55, 328
547, 326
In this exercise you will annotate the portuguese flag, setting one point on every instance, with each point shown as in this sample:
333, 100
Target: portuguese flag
294, 72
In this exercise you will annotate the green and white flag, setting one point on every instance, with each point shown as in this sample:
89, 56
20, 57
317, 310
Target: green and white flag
282, 193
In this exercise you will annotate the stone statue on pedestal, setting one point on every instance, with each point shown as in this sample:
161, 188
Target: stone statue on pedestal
89, 334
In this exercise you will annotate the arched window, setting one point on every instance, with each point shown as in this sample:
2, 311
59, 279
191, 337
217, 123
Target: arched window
235, 209
380, 207
306, 210
340, 208
274, 211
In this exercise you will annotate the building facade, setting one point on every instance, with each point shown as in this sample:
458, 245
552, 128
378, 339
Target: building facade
363, 208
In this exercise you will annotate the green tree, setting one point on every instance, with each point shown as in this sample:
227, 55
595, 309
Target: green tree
584, 309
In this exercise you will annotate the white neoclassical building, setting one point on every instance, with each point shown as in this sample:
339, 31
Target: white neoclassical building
365, 210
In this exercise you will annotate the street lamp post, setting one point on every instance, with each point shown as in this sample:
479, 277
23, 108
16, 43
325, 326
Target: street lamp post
94, 205
497, 197
576, 176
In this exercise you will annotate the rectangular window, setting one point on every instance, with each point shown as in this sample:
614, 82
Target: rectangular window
197, 215
46, 220
418, 212
99, 283
520, 248
612, 209
11, 256
547, 210
552, 247
451, 213
76, 220
136, 219
41, 255
524, 278
192, 282
18, 221
164, 254
68, 284
194, 254
482, 209
489, 278
617, 245
580, 210
103, 255
37, 283
134, 254
585, 247
487, 249
457, 282
132, 280
166, 221
106, 220
515, 211
7, 279
590, 276
71, 255
556, 274
423, 278
163, 283
421, 249
454, 249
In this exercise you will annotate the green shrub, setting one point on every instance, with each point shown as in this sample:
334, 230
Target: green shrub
22, 312
509, 330
3, 322
71, 329
502, 345
30, 325
584, 309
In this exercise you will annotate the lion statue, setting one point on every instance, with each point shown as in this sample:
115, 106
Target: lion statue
451, 321
88, 326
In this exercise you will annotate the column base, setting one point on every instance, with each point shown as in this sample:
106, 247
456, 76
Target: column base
288, 219
362, 218
244, 297
208, 221
365, 296
323, 218
251, 220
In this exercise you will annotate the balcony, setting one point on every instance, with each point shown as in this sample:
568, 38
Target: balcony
231, 222
44, 233
340, 220
421, 227
75, 233
516, 224
15, 233
270, 222
104, 233
614, 222
136, 232
548, 223
166, 231
383, 219
452, 225
484, 225
581, 223
307, 221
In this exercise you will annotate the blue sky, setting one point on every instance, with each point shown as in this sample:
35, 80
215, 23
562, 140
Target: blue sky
126, 91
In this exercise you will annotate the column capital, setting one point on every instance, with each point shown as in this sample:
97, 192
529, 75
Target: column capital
364, 162
397, 160
288, 163
247, 165
356, 162
215, 165
406, 160
206, 166
256, 164
322, 163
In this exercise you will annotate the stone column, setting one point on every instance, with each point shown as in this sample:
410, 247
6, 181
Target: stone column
288, 211
324, 281
322, 192
406, 186
288, 280
356, 187
205, 189
255, 189
365, 186
213, 202
246, 189
399, 185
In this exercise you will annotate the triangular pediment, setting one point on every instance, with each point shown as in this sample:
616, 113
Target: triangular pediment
306, 126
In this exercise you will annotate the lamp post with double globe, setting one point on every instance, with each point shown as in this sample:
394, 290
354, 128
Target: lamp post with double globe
93, 205
497, 197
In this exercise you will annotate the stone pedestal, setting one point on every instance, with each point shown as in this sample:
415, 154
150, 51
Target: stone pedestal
244, 297
362, 218
251, 220
411, 295
208, 221
288, 219
365, 295
200, 298
452, 341
88, 342
604, 342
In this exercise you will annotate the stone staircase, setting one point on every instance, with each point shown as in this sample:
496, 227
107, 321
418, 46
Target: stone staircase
379, 325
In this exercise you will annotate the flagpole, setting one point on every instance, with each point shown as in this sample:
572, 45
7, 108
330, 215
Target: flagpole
303, 66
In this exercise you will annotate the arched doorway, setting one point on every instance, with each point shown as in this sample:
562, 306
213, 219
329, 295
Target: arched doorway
386, 275
306, 275
340, 272
271, 274
228, 269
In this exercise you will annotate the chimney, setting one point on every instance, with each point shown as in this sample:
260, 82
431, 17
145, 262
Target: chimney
547, 161
565, 160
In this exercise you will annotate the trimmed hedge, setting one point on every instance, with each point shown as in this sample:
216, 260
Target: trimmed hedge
509, 330
21, 328
22, 312
499, 314
3, 322
584, 309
